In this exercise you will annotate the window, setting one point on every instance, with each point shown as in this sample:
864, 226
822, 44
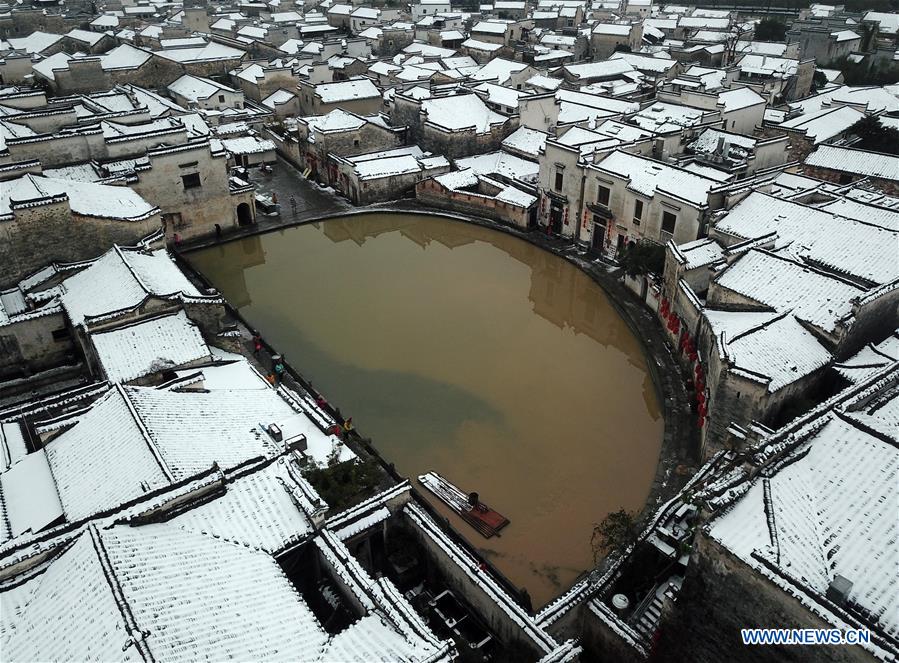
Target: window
668, 221
638, 212
191, 181
355, 142
60, 334
558, 180
222, 98
602, 195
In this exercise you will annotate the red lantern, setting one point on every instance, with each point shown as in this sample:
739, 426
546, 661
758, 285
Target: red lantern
701, 422
702, 410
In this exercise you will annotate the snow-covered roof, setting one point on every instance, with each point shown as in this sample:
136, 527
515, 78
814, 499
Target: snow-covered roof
497, 94
709, 140
870, 98
701, 253
139, 438
620, 29
86, 36
515, 196
209, 52
761, 47
277, 98
498, 70
772, 346
248, 145
888, 22
459, 112
844, 35
192, 594
500, 163
859, 209
646, 63
458, 179
870, 359
121, 279
812, 296
124, 56
162, 343
664, 117
603, 69
846, 246
428, 50
764, 65
826, 507
824, 124
741, 97
646, 176
291, 46
336, 120
36, 42
361, 88
526, 141
858, 162
544, 82
478, 45
195, 88
97, 200
491, 27
27, 490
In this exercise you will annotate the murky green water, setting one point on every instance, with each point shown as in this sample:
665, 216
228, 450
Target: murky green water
469, 352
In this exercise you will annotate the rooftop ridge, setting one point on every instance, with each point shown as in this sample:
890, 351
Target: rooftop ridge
145, 433
137, 637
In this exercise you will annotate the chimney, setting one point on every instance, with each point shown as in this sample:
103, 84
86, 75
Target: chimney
838, 591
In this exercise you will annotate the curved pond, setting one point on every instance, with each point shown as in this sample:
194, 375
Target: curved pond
470, 352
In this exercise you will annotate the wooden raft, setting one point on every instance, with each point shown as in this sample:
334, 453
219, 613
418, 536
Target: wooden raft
480, 516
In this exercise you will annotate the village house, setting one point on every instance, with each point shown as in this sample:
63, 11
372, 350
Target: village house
728, 291
44, 220
607, 38
455, 125
742, 110
194, 92
642, 199
474, 193
424, 8
384, 175
843, 165
343, 134
171, 161
737, 154
569, 153
358, 96
759, 557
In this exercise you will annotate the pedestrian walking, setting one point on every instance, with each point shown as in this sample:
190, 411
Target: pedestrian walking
218, 231
347, 427
257, 343
293, 205
177, 241
279, 370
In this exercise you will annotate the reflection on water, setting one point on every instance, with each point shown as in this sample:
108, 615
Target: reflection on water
469, 352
